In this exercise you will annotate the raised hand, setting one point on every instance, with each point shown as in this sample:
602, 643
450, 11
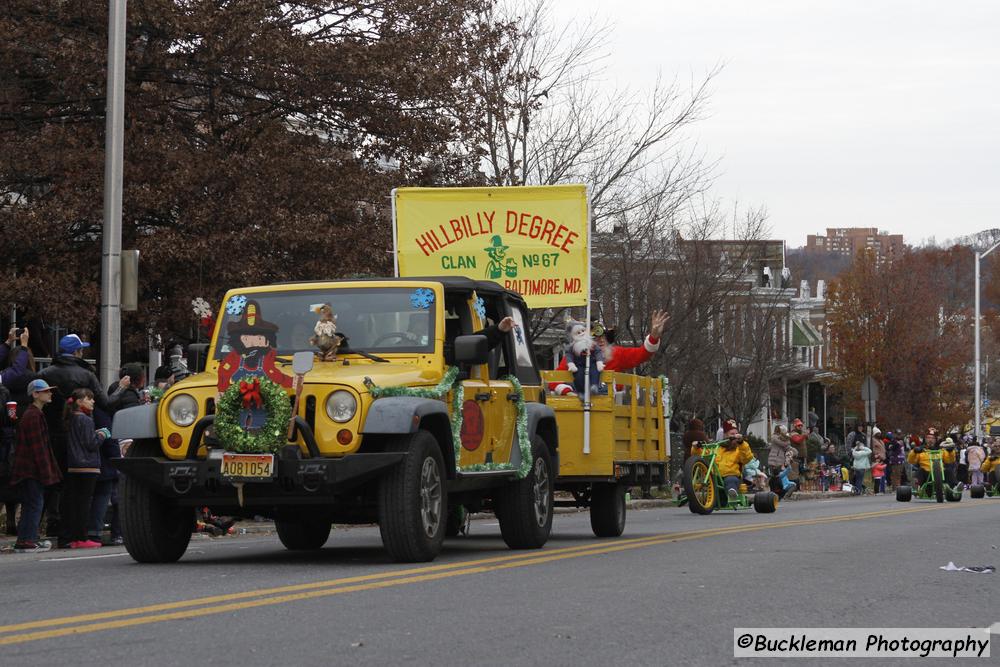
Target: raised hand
659, 321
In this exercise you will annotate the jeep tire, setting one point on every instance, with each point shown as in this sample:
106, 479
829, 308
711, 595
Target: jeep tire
524, 507
155, 529
309, 534
607, 509
413, 501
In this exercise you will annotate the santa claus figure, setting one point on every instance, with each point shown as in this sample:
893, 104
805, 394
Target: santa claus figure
618, 358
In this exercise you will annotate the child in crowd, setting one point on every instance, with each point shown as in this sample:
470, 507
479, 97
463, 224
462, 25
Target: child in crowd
878, 475
754, 477
83, 457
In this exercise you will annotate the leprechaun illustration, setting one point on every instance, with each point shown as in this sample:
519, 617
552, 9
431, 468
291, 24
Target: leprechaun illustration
497, 266
253, 340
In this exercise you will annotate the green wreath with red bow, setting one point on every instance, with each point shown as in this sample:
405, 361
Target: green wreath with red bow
258, 392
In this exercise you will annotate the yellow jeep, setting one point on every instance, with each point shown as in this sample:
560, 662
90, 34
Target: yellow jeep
417, 409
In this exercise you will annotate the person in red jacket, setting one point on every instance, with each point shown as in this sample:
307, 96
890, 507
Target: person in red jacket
34, 468
619, 358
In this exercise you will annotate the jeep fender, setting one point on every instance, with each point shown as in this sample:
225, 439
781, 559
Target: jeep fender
136, 423
397, 415
541, 422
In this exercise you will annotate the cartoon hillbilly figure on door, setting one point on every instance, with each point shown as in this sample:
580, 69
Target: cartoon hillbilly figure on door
499, 264
253, 340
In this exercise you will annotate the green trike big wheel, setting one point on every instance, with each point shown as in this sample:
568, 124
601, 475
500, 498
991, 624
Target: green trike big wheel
699, 486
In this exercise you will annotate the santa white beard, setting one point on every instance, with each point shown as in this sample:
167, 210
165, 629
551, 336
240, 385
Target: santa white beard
582, 346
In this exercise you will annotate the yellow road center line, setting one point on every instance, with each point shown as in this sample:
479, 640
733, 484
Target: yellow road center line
389, 579
195, 602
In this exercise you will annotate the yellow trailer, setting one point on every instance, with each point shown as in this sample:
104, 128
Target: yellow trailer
629, 445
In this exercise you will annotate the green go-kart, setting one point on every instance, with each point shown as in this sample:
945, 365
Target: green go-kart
935, 488
705, 490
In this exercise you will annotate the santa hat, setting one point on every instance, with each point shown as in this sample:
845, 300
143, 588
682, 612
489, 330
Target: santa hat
729, 427
914, 439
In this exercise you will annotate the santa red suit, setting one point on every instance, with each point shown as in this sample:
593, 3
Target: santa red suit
616, 358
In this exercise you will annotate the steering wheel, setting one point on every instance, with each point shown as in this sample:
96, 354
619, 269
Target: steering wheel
402, 335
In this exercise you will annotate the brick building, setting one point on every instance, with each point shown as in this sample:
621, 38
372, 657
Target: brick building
850, 241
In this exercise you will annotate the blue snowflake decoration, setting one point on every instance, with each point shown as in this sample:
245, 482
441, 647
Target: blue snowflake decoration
422, 298
518, 334
236, 305
480, 307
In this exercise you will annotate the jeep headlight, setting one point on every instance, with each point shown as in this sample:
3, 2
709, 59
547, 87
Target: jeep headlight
183, 409
341, 406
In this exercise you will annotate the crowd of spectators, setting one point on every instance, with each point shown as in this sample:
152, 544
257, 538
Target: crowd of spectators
56, 446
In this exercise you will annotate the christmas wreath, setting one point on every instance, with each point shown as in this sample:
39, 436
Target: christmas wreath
259, 393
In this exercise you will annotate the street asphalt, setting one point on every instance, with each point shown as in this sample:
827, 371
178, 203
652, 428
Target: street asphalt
668, 592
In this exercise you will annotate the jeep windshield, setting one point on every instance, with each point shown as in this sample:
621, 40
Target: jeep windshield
379, 320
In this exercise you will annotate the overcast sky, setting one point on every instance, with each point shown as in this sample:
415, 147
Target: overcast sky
843, 114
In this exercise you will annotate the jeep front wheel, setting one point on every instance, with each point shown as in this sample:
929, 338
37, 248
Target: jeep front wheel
155, 530
413, 503
524, 508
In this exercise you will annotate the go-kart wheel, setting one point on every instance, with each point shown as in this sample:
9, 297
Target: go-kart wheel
765, 502
977, 491
953, 495
938, 490
904, 494
699, 487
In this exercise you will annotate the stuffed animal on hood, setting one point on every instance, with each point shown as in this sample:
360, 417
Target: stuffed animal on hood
325, 338
580, 345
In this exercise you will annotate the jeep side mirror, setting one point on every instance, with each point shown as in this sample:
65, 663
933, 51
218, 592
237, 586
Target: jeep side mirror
472, 350
197, 356
302, 362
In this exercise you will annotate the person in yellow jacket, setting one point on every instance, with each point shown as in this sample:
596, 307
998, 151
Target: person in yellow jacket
991, 466
919, 455
731, 457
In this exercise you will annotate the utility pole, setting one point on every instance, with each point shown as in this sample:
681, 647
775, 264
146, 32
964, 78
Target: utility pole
979, 398
114, 141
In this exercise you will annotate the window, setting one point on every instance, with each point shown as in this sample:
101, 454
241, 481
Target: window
525, 369
372, 319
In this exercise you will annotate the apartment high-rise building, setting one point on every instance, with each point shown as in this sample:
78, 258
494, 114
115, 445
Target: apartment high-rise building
851, 240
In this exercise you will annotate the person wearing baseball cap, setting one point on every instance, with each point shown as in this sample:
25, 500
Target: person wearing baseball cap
34, 468
731, 457
67, 373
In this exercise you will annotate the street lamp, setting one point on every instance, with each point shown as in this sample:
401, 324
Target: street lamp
979, 403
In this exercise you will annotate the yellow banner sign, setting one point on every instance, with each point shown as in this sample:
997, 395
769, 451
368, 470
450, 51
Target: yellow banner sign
533, 240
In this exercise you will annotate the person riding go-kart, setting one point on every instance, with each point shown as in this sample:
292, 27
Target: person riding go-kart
713, 476
991, 470
934, 481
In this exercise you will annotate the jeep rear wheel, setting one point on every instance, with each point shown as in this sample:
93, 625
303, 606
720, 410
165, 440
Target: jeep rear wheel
413, 503
306, 535
155, 529
524, 507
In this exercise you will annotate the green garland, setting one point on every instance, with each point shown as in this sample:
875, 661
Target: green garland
449, 383
524, 442
269, 438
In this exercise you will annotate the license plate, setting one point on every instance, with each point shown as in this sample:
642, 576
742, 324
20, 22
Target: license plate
248, 466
